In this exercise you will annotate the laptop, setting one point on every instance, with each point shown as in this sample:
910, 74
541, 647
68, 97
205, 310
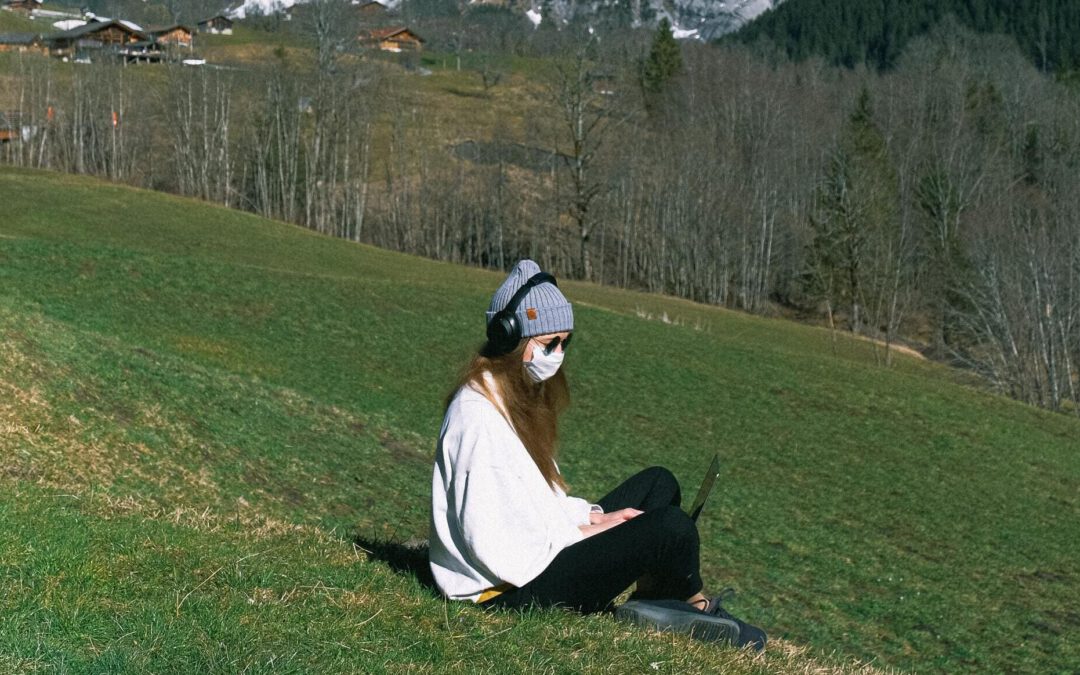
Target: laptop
706, 487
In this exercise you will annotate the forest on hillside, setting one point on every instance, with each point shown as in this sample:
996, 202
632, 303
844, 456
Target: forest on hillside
856, 32
935, 202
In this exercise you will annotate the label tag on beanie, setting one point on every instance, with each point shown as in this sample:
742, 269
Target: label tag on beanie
531, 313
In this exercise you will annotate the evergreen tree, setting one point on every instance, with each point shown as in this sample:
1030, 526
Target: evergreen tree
853, 219
663, 63
548, 19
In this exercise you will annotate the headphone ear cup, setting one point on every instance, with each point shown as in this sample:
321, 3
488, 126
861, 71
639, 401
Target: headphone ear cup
502, 332
512, 331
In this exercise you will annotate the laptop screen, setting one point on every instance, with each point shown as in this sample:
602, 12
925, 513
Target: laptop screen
706, 487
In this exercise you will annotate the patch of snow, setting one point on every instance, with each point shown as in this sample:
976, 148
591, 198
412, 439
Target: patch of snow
260, 7
53, 14
709, 18
272, 6
90, 16
683, 33
534, 16
751, 9
68, 24
194, 62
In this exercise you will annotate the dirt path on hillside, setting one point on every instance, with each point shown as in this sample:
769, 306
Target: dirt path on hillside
902, 349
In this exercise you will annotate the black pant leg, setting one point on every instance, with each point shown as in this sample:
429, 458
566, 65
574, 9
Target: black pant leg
646, 490
661, 544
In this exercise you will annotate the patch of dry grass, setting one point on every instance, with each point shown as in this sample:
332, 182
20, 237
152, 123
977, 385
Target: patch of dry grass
15, 664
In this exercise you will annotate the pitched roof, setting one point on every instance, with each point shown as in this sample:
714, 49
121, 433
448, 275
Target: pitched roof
158, 30
19, 38
96, 18
94, 27
385, 33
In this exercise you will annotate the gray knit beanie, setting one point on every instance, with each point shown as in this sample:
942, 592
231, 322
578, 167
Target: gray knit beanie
544, 309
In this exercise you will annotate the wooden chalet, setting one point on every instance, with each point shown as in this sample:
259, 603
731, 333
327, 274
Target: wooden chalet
216, 25
114, 37
396, 39
22, 42
173, 36
10, 127
24, 6
603, 82
371, 10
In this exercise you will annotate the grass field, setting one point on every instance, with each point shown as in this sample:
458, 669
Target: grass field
16, 22
201, 411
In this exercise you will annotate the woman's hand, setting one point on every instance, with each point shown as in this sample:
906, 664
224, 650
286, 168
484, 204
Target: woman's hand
620, 516
598, 522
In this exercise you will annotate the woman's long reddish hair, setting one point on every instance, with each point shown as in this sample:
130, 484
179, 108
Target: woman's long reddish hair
533, 408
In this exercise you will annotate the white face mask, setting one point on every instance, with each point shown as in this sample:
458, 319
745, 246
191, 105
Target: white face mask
543, 366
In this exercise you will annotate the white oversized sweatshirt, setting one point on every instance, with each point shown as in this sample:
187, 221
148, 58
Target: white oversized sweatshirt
494, 519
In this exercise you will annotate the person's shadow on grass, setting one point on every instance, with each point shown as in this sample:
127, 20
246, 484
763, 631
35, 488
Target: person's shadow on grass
408, 558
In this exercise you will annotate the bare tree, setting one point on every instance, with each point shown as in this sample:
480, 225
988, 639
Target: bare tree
587, 119
197, 105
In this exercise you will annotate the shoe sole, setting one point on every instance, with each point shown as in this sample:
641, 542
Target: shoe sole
670, 620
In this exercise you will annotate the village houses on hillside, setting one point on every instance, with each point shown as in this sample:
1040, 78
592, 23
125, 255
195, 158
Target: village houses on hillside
24, 6
94, 36
90, 38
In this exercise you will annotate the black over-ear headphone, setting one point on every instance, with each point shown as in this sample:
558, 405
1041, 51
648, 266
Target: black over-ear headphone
504, 329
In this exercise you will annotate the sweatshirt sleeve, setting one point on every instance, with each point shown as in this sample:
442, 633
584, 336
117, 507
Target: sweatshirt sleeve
512, 538
576, 509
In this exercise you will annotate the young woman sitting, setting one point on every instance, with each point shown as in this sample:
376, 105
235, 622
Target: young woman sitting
504, 533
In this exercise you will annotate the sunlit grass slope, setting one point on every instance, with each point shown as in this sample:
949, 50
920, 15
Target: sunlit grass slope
199, 409
16, 22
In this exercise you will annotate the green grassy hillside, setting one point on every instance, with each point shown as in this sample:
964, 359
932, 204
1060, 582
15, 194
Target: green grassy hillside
16, 22
201, 410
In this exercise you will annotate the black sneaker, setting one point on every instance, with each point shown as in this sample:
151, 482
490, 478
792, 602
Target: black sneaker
748, 635
675, 616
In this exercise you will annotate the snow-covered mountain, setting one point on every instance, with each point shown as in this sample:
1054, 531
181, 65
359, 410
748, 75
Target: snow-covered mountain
712, 18
260, 7
270, 6
690, 19
700, 19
